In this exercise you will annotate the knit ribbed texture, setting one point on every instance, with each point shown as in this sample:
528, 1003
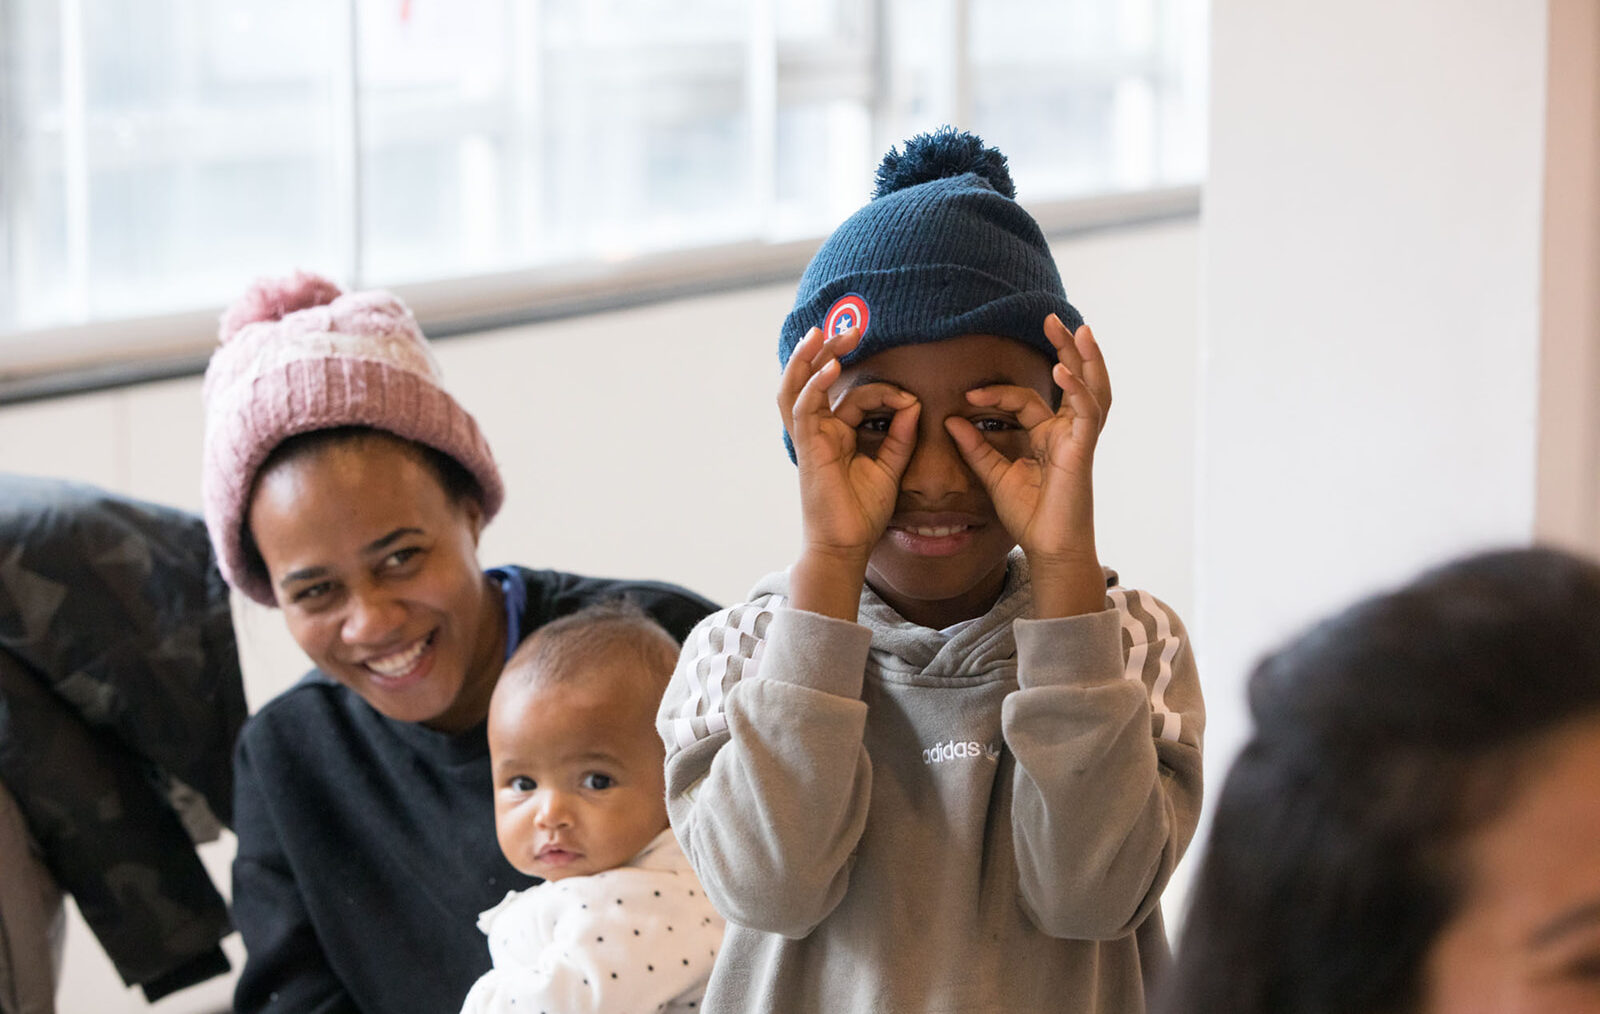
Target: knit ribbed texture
933, 261
359, 360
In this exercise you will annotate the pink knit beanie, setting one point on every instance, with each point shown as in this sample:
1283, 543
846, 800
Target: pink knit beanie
297, 356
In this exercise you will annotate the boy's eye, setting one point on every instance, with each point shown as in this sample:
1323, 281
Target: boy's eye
401, 557
522, 783
598, 782
1585, 967
993, 424
874, 424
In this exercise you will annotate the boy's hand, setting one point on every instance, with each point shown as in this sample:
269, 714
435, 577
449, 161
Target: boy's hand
1046, 501
846, 498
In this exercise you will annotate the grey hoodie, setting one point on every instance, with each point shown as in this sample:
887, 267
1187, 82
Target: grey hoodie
893, 820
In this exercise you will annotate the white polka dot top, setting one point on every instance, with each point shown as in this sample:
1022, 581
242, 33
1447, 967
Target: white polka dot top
638, 939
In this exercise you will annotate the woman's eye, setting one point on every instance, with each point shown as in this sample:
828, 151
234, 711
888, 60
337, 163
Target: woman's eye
597, 781
522, 783
311, 592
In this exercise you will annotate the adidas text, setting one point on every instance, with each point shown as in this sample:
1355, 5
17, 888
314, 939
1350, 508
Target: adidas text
938, 753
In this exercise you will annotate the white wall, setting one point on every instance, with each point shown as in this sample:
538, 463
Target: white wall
1370, 286
646, 443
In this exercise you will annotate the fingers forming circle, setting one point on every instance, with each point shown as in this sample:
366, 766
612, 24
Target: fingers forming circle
1063, 340
1093, 368
852, 406
811, 405
1077, 400
1026, 404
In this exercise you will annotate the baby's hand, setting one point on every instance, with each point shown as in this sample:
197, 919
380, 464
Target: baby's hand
846, 497
1046, 500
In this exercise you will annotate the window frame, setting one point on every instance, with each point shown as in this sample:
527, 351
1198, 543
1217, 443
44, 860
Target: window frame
78, 359
69, 359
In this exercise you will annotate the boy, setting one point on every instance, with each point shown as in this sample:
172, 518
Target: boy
943, 763
621, 924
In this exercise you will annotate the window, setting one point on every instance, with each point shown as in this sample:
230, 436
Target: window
155, 156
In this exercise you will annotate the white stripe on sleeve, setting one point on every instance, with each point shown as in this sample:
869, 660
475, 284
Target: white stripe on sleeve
1171, 723
711, 672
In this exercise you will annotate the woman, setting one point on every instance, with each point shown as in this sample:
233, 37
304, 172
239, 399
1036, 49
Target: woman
1415, 825
345, 486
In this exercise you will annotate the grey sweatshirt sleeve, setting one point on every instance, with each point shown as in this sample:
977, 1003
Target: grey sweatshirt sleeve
768, 782
1106, 728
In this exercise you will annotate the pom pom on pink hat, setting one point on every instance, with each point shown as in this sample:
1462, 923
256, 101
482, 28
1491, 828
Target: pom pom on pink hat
297, 356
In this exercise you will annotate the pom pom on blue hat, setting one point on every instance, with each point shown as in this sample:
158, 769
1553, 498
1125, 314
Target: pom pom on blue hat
940, 155
941, 250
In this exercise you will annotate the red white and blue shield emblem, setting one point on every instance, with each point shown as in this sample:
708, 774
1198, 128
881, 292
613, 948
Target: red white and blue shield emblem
848, 311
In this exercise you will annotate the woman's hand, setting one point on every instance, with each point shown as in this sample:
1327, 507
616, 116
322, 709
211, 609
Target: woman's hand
1046, 500
846, 497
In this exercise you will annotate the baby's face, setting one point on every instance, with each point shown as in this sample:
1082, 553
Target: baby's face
577, 772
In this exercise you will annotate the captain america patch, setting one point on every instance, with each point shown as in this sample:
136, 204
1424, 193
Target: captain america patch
848, 311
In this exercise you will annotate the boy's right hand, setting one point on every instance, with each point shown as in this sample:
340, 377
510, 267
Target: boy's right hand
846, 497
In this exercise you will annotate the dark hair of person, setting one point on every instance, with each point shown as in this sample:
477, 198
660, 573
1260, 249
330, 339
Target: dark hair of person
1382, 737
563, 648
454, 478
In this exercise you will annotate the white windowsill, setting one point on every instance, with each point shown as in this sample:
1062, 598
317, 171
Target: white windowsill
75, 359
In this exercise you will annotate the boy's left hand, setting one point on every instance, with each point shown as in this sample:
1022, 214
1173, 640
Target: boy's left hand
1046, 500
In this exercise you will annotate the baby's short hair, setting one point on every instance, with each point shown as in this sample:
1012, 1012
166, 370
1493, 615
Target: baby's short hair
558, 651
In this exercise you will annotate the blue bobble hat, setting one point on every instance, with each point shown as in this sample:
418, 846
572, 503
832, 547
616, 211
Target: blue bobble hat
942, 250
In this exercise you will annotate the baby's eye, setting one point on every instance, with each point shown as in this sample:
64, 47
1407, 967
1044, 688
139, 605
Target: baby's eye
597, 781
522, 783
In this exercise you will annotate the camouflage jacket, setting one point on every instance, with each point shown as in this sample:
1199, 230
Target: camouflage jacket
120, 695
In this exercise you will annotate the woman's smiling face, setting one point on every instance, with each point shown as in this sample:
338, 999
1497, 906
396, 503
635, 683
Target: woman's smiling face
943, 557
375, 567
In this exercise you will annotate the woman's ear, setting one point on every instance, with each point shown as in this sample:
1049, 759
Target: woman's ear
473, 510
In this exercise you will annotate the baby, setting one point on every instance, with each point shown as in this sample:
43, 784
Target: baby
622, 924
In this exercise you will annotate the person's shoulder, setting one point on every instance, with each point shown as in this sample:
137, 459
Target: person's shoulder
553, 585
48, 506
314, 702
752, 615
554, 593
511, 902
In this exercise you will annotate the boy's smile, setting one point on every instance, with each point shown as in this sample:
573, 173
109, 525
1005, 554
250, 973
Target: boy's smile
942, 533
942, 558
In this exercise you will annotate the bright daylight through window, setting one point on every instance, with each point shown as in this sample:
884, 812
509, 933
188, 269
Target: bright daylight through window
154, 156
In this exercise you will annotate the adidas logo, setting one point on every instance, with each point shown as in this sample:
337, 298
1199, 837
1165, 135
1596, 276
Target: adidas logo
951, 750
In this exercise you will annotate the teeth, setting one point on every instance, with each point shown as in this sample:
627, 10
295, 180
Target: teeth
935, 531
400, 662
